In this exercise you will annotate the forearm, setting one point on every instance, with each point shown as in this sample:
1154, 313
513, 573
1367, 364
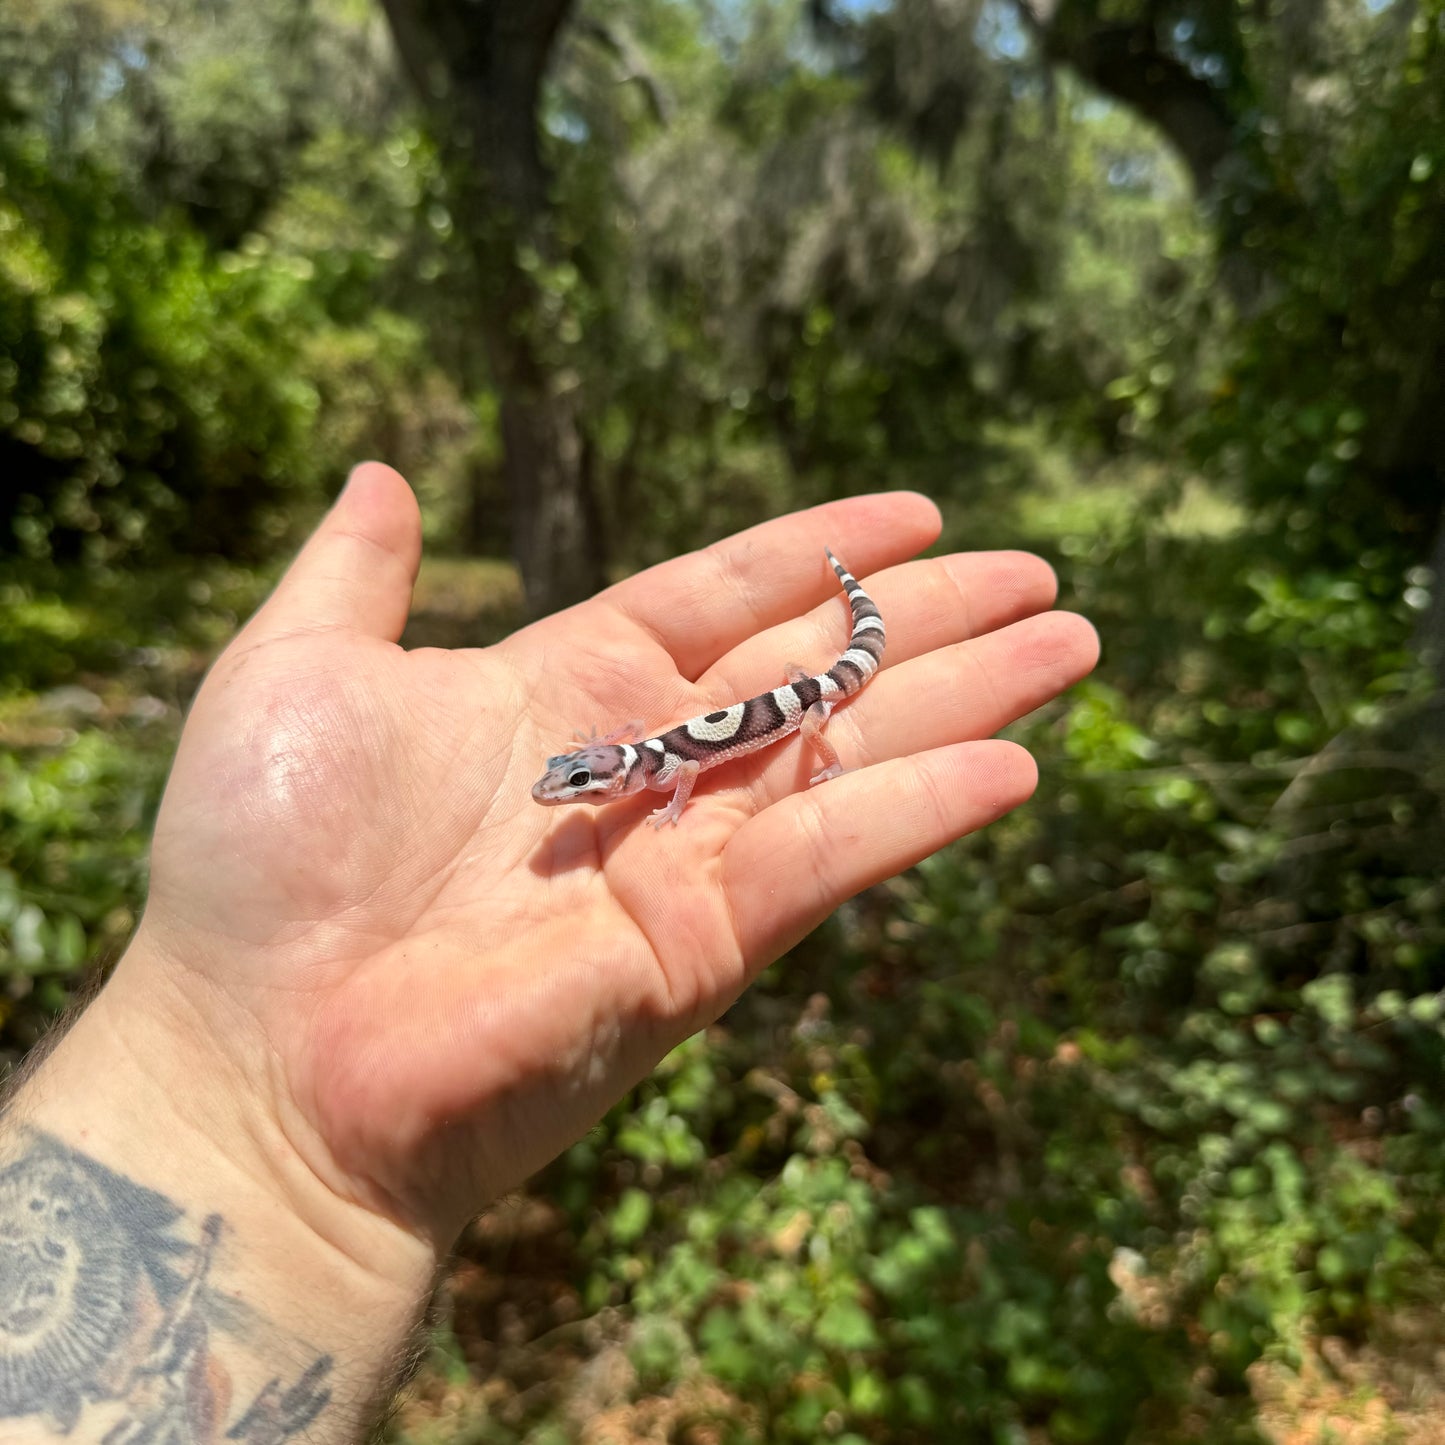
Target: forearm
169, 1267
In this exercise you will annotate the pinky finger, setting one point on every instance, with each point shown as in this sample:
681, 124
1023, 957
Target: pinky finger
788, 867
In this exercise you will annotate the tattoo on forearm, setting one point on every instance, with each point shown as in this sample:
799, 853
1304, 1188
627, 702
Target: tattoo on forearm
105, 1307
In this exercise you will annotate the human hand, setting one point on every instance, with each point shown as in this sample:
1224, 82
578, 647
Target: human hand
420, 986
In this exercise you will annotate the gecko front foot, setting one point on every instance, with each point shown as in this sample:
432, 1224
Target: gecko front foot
681, 792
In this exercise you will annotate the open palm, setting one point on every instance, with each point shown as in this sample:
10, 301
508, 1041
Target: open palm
441, 984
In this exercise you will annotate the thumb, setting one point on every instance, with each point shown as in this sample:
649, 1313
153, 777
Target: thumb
357, 569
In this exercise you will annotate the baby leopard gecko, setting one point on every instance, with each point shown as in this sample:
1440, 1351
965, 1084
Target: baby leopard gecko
618, 765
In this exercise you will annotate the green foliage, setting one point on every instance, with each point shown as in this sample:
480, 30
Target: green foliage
1328, 407
149, 399
1069, 1128
94, 665
183, 366
1063, 1134
74, 821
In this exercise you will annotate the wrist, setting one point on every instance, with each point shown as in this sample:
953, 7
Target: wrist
193, 1168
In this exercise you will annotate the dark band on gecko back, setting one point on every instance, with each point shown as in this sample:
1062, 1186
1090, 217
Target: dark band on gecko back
727, 729
745, 726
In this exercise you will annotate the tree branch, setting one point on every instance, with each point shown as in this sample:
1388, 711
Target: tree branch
1128, 63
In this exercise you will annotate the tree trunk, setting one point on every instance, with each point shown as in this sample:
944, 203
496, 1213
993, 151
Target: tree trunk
478, 66
558, 545
1429, 636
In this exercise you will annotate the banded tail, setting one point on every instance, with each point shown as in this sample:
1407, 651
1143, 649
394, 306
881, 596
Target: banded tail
866, 643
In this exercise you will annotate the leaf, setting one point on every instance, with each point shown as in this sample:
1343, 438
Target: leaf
846, 1325
631, 1217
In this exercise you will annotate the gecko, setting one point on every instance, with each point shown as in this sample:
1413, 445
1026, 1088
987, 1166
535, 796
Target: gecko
623, 763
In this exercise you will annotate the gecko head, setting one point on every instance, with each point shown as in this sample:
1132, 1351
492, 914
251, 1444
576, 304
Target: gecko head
594, 774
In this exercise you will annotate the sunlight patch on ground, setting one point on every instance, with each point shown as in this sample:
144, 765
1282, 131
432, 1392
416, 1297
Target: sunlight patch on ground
1201, 510
464, 602
1115, 499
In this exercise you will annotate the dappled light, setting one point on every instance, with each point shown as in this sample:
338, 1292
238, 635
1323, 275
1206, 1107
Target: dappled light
1118, 1121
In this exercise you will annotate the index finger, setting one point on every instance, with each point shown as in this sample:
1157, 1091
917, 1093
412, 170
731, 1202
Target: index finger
701, 605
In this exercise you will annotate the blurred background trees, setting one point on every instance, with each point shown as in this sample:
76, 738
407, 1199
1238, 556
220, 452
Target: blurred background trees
1119, 1122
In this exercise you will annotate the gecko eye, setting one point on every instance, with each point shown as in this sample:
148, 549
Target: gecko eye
579, 779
